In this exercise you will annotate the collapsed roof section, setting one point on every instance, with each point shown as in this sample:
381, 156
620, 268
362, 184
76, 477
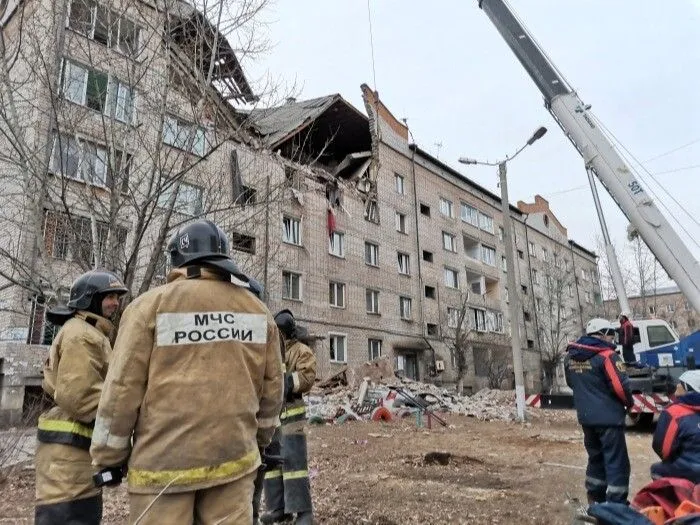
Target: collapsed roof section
207, 48
327, 131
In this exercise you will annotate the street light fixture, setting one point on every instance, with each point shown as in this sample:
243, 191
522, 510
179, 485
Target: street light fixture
514, 300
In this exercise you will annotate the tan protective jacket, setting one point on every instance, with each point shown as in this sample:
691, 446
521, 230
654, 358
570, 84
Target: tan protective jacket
196, 376
300, 362
73, 377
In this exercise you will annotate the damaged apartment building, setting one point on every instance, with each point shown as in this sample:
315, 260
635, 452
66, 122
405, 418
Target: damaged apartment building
385, 248
374, 244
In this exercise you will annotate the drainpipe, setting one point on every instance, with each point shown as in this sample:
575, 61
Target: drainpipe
266, 294
532, 288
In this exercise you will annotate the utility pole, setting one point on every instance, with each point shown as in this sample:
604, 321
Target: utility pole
513, 296
513, 289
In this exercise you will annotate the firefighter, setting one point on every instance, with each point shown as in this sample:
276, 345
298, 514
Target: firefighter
627, 339
196, 381
73, 377
677, 435
601, 395
287, 488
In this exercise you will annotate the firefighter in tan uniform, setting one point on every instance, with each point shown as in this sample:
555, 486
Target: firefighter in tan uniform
196, 380
73, 378
287, 488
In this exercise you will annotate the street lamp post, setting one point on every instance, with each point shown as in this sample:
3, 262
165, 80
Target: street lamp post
514, 300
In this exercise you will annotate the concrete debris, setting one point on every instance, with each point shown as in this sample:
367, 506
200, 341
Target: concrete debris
358, 395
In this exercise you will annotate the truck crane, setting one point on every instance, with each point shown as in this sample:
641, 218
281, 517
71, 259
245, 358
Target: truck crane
603, 162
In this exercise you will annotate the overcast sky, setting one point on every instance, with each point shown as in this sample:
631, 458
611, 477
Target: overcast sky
444, 67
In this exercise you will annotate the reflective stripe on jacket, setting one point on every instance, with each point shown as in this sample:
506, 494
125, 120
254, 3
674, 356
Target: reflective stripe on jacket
73, 378
196, 377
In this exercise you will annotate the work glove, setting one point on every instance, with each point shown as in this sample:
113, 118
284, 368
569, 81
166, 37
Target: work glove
288, 386
110, 476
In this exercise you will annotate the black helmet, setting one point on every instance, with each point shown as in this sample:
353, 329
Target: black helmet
284, 319
91, 284
201, 241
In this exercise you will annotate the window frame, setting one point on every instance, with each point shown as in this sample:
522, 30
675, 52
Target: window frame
336, 294
294, 232
372, 251
405, 300
292, 275
407, 258
372, 299
371, 344
454, 273
340, 236
338, 336
399, 184
400, 222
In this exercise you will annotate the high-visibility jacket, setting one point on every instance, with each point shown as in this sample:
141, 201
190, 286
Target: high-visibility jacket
196, 377
73, 378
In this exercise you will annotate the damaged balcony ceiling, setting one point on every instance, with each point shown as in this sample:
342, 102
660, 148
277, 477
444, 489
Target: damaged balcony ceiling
196, 36
327, 126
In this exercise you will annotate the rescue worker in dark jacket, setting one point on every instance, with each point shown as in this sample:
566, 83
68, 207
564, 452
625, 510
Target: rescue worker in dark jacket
196, 379
287, 488
73, 377
601, 394
627, 339
677, 435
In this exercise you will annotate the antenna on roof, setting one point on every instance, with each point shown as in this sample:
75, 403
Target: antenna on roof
438, 145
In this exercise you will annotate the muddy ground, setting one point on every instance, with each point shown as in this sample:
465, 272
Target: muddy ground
376, 473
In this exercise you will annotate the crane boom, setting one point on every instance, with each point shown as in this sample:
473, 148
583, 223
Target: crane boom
599, 154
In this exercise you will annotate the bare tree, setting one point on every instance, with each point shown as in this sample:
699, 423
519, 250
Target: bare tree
119, 122
606, 280
645, 275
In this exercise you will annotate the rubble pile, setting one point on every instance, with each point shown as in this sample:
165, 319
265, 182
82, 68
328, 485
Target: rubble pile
357, 394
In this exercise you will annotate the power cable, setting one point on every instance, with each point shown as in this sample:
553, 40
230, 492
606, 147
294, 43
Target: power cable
684, 168
666, 153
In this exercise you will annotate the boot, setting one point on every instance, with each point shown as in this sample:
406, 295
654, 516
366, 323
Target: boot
276, 516
305, 518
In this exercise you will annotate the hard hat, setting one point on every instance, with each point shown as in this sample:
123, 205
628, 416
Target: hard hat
690, 380
625, 313
201, 241
284, 319
599, 326
92, 283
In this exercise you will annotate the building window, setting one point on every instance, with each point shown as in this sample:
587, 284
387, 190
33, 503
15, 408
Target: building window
504, 263
446, 207
652, 310
521, 255
486, 222
247, 196
404, 263
451, 278
372, 211
431, 329
243, 243
336, 294
546, 221
570, 288
292, 286
469, 214
448, 242
453, 317
400, 222
399, 183
531, 249
371, 254
336, 244
535, 277
501, 233
372, 301
425, 210
80, 160
494, 321
479, 319
374, 348
291, 230
670, 308
405, 307
427, 256
539, 304
430, 292
530, 343
105, 26
523, 289
545, 254
588, 297
184, 135
338, 345
488, 255
188, 200
526, 316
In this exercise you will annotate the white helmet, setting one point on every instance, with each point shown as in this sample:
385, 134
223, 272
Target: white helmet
626, 314
691, 380
599, 326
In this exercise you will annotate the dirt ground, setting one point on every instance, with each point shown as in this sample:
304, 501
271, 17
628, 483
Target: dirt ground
375, 473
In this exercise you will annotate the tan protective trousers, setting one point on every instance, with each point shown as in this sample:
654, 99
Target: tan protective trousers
228, 504
63, 473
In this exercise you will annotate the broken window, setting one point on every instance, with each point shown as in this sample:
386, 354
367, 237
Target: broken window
337, 343
243, 243
372, 211
105, 26
374, 349
479, 319
291, 230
